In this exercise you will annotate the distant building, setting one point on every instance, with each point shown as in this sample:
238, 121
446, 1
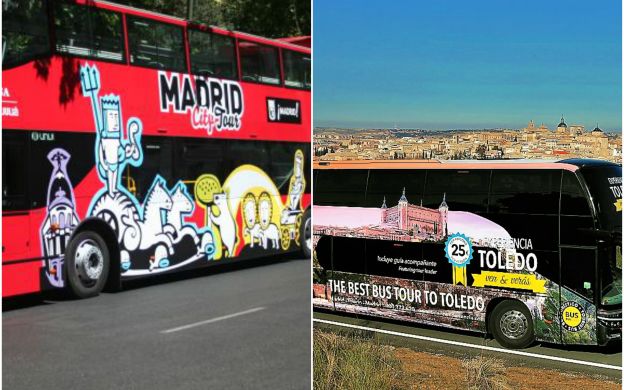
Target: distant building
530, 127
562, 128
576, 130
533, 141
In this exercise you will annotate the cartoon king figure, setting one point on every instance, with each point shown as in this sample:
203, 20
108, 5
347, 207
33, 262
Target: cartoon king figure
113, 151
297, 185
291, 214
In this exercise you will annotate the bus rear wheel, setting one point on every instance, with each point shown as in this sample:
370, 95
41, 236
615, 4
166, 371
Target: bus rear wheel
87, 260
512, 325
305, 235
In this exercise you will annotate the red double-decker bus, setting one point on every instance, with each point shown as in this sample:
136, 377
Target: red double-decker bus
136, 144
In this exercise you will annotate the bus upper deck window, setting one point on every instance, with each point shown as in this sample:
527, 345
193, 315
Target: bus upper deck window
212, 55
24, 32
297, 69
88, 32
259, 63
155, 44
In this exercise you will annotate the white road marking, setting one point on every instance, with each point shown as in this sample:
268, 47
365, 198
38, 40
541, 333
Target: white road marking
210, 321
482, 347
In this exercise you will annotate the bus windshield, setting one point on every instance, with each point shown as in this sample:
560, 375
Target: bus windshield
605, 185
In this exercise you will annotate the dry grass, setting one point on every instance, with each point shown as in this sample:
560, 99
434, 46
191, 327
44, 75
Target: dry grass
356, 363
485, 374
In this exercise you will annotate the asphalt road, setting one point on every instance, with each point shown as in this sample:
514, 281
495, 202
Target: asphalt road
245, 329
610, 356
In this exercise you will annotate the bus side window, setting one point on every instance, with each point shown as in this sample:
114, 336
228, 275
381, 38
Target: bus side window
212, 55
382, 256
525, 192
297, 69
24, 32
389, 185
348, 254
322, 253
248, 152
575, 213
573, 200
578, 271
88, 32
196, 157
155, 45
340, 188
157, 160
259, 63
465, 190
14, 170
282, 163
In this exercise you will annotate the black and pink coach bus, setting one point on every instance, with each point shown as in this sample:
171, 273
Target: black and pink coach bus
523, 250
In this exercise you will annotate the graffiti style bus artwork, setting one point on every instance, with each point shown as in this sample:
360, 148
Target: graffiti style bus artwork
61, 218
154, 151
522, 250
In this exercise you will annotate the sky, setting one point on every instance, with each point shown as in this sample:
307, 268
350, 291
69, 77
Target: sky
454, 64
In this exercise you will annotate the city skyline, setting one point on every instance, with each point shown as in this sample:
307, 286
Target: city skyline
481, 65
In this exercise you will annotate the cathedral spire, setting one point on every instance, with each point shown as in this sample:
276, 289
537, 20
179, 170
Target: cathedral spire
443, 205
403, 198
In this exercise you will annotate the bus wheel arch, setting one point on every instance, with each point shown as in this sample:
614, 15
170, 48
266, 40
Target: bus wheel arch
305, 228
102, 229
510, 322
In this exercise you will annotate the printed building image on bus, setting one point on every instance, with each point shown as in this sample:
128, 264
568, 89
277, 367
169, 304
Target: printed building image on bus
523, 250
137, 144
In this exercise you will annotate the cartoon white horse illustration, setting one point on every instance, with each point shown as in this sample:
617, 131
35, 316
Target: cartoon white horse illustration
182, 205
151, 227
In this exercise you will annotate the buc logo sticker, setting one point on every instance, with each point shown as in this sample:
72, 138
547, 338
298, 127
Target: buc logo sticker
573, 316
458, 250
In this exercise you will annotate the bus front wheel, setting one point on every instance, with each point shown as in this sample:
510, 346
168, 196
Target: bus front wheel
512, 325
305, 235
87, 262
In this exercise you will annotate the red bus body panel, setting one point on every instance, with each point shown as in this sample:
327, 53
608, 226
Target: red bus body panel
45, 97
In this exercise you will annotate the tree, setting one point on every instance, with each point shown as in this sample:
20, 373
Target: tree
269, 18
481, 149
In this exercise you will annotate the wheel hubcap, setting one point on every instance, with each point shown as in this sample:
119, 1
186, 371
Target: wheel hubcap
89, 261
514, 324
307, 234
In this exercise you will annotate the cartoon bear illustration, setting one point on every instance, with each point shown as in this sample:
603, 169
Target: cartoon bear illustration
225, 222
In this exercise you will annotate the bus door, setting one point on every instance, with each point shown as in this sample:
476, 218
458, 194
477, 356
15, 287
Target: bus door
20, 271
579, 265
15, 205
578, 292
